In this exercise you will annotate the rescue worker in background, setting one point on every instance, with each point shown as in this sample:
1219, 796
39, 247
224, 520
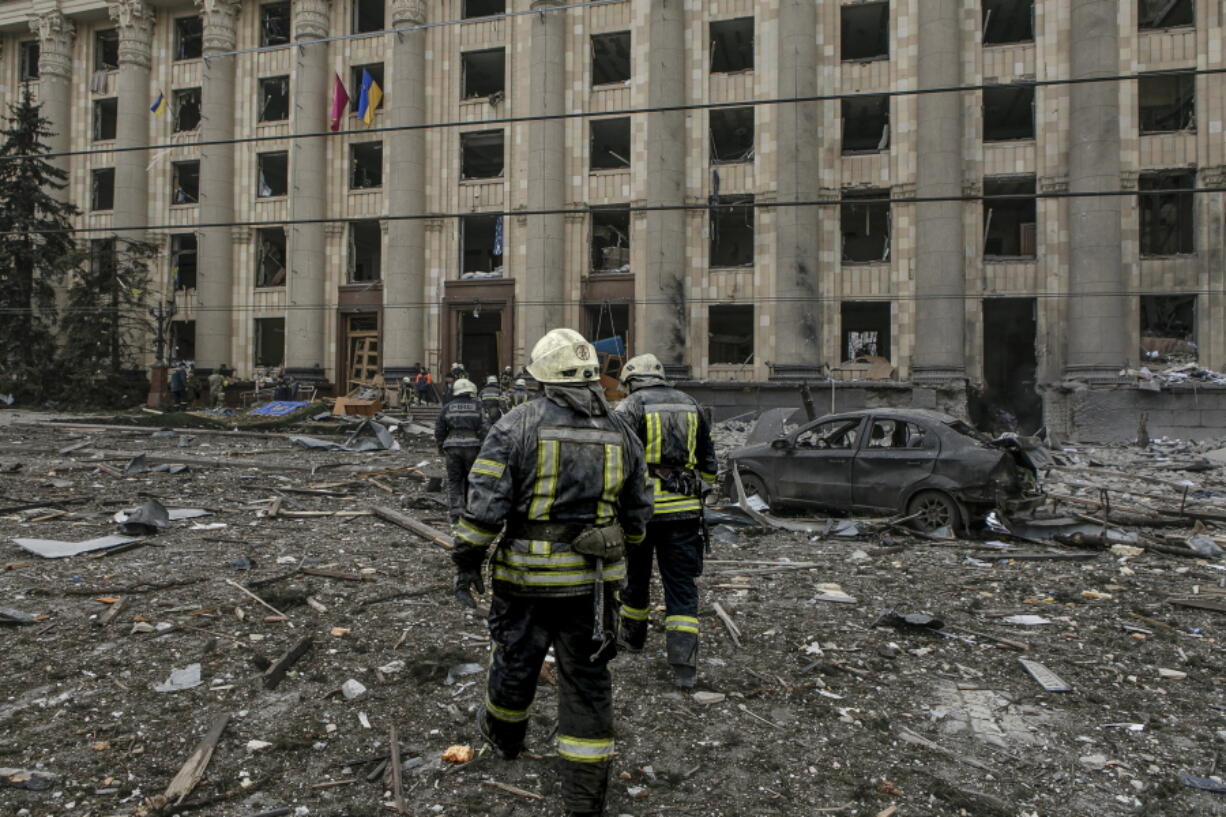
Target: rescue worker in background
457, 372
217, 389
505, 381
458, 432
568, 481
520, 394
492, 401
680, 455
178, 385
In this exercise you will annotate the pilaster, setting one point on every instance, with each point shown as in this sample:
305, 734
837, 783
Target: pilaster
55, 37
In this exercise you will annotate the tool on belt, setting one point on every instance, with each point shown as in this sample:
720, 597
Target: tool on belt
686, 482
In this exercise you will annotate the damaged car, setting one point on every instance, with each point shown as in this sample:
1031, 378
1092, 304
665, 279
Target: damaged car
926, 465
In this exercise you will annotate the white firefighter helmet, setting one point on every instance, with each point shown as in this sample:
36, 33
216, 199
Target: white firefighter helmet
647, 365
491, 381
521, 383
463, 386
564, 356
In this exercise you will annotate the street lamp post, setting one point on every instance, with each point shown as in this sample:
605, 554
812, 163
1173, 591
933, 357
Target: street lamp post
162, 314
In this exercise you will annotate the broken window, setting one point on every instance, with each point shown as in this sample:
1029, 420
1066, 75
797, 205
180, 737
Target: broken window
611, 58
481, 154
270, 342
102, 189
1168, 328
106, 50
185, 182
732, 232
29, 60
367, 16
189, 38
480, 246
274, 99
365, 250
183, 248
898, 434
730, 334
865, 222
1165, 13
1009, 224
610, 143
185, 103
274, 24
484, 73
365, 165
866, 329
375, 69
270, 257
731, 45
866, 124
1008, 21
106, 115
839, 434
1008, 113
611, 239
1167, 222
1167, 102
182, 341
732, 135
866, 31
483, 8
272, 171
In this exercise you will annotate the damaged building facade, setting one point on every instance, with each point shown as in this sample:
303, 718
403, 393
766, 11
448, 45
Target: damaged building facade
401, 241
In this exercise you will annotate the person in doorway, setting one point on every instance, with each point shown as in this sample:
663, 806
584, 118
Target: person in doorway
458, 433
520, 394
680, 456
457, 372
423, 385
492, 401
178, 385
568, 481
506, 379
217, 389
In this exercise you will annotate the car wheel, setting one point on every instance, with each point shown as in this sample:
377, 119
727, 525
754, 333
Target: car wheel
933, 510
754, 486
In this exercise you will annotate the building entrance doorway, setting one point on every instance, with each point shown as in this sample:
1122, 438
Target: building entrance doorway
1010, 366
362, 350
479, 341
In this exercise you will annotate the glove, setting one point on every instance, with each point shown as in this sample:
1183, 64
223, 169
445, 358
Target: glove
465, 580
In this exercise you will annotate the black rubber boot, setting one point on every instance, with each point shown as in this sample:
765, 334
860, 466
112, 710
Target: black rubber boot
684, 676
483, 729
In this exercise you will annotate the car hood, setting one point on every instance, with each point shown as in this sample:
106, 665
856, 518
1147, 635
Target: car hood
749, 452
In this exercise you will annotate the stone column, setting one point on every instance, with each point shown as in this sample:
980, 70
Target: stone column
660, 285
404, 262
135, 22
1097, 339
940, 280
543, 284
55, 35
312, 99
215, 278
796, 326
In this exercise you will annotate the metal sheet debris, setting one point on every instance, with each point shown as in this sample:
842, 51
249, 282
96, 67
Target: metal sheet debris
57, 549
1044, 677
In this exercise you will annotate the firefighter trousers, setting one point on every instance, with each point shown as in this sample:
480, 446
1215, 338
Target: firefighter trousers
677, 546
459, 463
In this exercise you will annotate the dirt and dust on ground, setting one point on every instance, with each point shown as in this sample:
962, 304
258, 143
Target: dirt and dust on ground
827, 706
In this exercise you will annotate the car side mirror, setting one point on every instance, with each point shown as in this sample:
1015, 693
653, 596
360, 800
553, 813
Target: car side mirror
781, 444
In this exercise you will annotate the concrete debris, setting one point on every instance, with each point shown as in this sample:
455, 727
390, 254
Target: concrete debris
352, 689
180, 679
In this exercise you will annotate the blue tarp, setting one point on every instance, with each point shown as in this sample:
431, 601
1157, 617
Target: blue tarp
279, 408
611, 346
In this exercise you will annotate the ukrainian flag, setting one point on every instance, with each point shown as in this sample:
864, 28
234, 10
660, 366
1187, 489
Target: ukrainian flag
160, 105
368, 98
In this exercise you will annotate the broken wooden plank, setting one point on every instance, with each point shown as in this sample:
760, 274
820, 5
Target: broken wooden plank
1216, 605
1055, 556
908, 736
258, 599
193, 769
275, 674
733, 631
393, 739
109, 614
509, 789
410, 524
335, 574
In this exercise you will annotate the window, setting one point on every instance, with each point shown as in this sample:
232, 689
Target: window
611, 239
838, 434
186, 108
189, 38
730, 334
270, 342
731, 45
481, 247
106, 50
1168, 328
102, 189
611, 58
274, 24
898, 434
274, 99
1167, 102
732, 135
481, 154
365, 165
367, 16
185, 182
375, 69
272, 171
866, 124
106, 114
29, 60
365, 250
865, 329
866, 31
732, 232
865, 222
1008, 113
483, 8
1167, 217
610, 143
1009, 224
1008, 21
1165, 13
484, 73
270, 257
183, 260
182, 341
102, 261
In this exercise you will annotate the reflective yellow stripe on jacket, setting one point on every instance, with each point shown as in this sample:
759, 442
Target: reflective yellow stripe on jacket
585, 750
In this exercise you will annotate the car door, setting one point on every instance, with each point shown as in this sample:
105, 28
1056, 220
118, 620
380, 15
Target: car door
816, 468
896, 454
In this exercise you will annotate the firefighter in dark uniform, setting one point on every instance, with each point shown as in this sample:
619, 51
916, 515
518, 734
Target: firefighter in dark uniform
680, 455
568, 481
458, 433
520, 394
504, 380
492, 402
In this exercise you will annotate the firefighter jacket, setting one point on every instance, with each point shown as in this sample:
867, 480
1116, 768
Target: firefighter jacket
676, 439
460, 424
549, 469
519, 396
492, 402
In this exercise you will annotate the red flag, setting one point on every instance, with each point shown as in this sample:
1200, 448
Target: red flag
340, 98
